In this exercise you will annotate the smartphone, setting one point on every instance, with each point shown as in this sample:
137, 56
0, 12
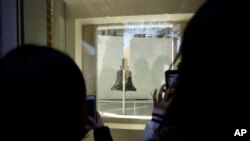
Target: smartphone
91, 106
171, 79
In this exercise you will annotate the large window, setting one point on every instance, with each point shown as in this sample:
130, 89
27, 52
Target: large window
123, 61
124, 48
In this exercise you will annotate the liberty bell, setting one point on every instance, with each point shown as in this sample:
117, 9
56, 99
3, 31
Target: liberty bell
125, 73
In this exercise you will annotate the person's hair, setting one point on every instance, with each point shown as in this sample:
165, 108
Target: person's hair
42, 95
211, 97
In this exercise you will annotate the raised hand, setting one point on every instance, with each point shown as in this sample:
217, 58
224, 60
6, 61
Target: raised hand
163, 98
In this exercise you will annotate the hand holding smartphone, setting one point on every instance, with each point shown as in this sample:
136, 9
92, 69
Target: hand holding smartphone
95, 120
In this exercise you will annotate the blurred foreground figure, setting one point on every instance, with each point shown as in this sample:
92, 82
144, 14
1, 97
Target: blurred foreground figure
43, 97
211, 99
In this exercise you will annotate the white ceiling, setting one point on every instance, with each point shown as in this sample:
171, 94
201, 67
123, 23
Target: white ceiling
104, 8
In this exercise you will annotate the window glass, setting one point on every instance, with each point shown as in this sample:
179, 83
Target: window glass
124, 48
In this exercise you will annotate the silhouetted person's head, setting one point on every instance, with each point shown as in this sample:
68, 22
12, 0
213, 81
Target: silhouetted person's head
42, 95
211, 97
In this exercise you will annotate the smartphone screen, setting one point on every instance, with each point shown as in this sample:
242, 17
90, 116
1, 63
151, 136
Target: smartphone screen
170, 78
91, 106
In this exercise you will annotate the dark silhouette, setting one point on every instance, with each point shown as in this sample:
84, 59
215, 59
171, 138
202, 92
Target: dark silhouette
43, 97
212, 90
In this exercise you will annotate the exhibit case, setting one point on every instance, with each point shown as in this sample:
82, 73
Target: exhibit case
124, 59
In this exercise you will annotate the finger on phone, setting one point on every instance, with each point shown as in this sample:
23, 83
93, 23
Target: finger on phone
169, 101
162, 89
167, 95
99, 119
154, 96
92, 121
